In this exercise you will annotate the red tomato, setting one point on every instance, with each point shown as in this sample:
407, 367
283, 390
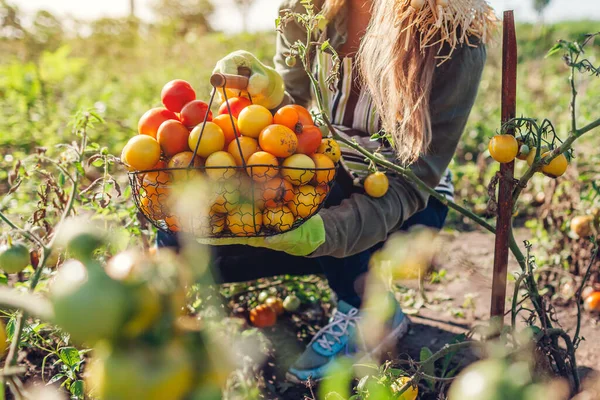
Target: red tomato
176, 94
194, 112
237, 104
309, 140
151, 120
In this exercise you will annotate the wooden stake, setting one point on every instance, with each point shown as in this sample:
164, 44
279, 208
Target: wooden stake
506, 182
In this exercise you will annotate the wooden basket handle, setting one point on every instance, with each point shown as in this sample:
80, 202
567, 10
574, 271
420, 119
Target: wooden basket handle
239, 82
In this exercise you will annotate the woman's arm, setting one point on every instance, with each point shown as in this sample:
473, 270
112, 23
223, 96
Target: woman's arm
297, 83
361, 221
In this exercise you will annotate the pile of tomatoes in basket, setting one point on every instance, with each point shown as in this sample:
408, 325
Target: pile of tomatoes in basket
269, 170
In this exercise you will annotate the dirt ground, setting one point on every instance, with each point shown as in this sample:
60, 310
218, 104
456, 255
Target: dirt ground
465, 293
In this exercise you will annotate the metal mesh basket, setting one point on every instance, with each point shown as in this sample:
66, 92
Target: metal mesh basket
245, 200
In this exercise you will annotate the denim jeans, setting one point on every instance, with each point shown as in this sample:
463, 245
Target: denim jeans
238, 263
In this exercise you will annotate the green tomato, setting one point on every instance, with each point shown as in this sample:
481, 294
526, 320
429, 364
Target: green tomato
87, 303
290, 61
15, 258
291, 303
263, 296
490, 380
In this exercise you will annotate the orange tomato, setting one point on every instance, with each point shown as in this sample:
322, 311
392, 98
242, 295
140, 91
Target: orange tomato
259, 166
212, 139
592, 302
173, 223
154, 205
322, 191
220, 166
248, 145
276, 304
309, 140
244, 220
377, 184
294, 117
237, 104
278, 140
325, 169
298, 169
305, 202
152, 119
253, 119
263, 316
141, 152
276, 191
194, 113
278, 218
224, 122
173, 137
176, 94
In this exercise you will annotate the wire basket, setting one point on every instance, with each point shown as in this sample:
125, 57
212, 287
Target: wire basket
245, 200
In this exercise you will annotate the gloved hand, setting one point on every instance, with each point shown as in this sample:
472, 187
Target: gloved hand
265, 85
300, 242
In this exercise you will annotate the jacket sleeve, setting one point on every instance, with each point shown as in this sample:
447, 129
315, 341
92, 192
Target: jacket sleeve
297, 83
360, 222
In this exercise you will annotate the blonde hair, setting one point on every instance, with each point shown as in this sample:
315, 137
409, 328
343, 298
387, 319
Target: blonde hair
398, 56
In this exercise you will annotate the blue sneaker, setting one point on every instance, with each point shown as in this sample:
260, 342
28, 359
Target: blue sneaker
340, 338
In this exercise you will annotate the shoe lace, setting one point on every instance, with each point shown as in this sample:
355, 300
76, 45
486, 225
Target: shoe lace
336, 329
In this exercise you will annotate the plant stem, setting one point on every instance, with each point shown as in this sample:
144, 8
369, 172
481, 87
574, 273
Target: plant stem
586, 277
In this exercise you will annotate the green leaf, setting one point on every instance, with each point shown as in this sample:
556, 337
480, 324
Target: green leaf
77, 389
429, 369
98, 163
336, 385
69, 356
55, 378
3, 279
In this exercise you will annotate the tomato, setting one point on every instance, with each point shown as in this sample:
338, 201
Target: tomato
557, 167
592, 302
80, 240
298, 169
225, 162
142, 372
263, 316
582, 225
237, 104
276, 191
276, 304
141, 152
490, 380
503, 148
152, 119
325, 169
291, 303
244, 220
410, 394
278, 140
331, 149
322, 191
176, 94
377, 184
173, 223
183, 160
309, 140
226, 199
224, 122
305, 201
304, 117
262, 166
173, 137
279, 218
194, 113
263, 296
212, 139
88, 304
253, 119
290, 61
248, 145
15, 258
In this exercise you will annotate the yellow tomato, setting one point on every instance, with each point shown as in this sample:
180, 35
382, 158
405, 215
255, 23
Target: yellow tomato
253, 119
305, 202
331, 149
376, 184
325, 169
298, 169
503, 148
557, 167
226, 164
245, 220
531, 156
212, 140
141, 152
279, 218
410, 394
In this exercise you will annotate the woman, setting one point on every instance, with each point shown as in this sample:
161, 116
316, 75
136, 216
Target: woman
405, 69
